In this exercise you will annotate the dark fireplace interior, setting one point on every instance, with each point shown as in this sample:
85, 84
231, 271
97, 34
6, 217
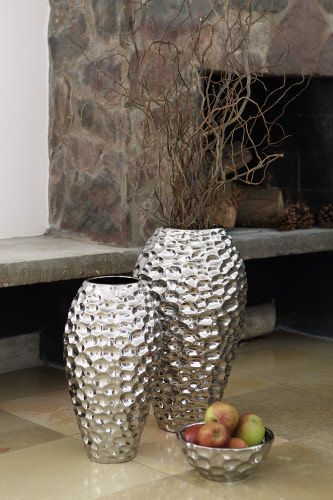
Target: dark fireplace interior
305, 173
305, 116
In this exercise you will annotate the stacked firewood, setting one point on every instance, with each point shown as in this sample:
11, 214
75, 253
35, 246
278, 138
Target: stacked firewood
262, 206
244, 205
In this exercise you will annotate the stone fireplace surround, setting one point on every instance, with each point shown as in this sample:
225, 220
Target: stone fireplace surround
93, 165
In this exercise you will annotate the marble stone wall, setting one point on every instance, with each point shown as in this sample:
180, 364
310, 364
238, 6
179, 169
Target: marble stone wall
94, 136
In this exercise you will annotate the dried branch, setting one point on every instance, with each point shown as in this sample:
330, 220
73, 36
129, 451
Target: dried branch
198, 124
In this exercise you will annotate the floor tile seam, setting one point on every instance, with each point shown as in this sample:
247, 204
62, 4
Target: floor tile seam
10, 451
270, 377
300, 380
71, 434
267, 385
310, 336
74, 434
283, 349
35, 423
254, 348
155, 468
308, 351
261, 348
310, 448
126, 490
164, 474
237, 371
32, 396
291, 349
129, 490
259, 376
285, 345
280, 386
322, 374
20, 450
296, 383
289, 333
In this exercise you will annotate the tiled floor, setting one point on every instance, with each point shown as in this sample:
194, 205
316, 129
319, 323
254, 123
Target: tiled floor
285, 378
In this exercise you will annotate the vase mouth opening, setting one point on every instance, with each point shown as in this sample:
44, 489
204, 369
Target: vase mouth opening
113, 279
189, 230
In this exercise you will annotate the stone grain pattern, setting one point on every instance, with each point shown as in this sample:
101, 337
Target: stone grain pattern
328, 5
297, 41
263, 5
111, 350
200, 281
97, 188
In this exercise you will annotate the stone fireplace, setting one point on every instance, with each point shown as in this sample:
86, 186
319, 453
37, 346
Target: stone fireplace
94, 171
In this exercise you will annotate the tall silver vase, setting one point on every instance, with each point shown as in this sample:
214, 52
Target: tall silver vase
201, 283
111, 349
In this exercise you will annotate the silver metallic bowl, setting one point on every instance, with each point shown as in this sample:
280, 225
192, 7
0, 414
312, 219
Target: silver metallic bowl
225, 464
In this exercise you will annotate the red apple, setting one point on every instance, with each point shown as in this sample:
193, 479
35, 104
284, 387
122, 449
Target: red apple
237, 443
213, 435
191, 433
223, 413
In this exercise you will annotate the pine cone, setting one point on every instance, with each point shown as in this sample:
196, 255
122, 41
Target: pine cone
326, 216
297, 216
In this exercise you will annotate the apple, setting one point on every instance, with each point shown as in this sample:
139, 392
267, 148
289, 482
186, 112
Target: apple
214, 435
237, 443
191, 433
223, 413
251, 428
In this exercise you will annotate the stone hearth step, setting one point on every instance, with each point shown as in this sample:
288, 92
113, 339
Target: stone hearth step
43, 259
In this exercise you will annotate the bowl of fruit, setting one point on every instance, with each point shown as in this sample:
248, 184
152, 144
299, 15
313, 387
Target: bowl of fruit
226, 446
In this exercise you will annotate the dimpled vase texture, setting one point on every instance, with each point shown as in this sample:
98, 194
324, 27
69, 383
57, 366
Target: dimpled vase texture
111, 345
201, 284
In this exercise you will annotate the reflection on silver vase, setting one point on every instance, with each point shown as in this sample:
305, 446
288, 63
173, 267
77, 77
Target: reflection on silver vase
111, 347
201, 283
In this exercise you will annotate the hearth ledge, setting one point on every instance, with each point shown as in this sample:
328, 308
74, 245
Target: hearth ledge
43, 259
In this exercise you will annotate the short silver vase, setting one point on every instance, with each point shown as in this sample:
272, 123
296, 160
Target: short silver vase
111, 349
201, 284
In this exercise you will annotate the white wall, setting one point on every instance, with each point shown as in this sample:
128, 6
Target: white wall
23, 117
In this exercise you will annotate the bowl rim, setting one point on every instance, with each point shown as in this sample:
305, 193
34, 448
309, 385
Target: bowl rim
268, 439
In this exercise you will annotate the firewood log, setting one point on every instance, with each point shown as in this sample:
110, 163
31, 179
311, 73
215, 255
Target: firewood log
224, 211
261, 207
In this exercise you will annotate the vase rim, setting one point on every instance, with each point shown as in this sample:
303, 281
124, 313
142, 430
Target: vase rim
113, 280
189, 230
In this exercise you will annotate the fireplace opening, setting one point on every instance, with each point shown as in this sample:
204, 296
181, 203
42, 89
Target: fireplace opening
305, 117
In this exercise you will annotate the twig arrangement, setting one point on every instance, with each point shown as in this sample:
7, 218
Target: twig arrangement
198, 124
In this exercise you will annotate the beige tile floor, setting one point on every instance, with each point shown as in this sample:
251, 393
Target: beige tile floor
286, 378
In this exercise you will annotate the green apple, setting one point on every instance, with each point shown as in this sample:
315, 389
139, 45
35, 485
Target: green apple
250, 428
